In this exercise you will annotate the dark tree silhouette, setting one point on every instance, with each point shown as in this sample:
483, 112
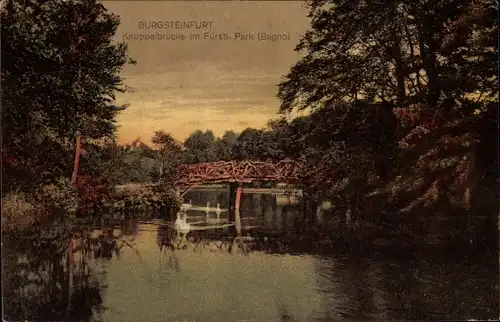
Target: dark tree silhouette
60, 70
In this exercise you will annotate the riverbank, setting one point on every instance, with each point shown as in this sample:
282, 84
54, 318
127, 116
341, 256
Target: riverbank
21, 210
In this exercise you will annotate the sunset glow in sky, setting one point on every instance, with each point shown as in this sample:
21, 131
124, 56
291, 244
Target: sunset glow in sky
183, 85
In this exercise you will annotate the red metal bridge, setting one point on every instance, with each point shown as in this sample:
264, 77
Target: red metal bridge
237, 171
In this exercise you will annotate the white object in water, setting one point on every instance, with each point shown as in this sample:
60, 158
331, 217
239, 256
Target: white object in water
181, 224
218, 211
207, 210
185, 227
178, 222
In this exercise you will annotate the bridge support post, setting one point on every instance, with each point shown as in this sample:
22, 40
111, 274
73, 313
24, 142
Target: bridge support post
235, 191
237, 222
239, 190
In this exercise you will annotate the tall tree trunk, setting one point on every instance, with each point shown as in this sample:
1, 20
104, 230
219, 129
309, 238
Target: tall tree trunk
428, 47
400, 70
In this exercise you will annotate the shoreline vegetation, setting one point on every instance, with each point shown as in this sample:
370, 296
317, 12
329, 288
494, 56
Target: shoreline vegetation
389, 146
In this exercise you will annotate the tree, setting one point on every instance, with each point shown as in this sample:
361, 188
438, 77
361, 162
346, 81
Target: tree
224, 146
169, 151
59, 75
142, 148
200, 147
254, 144
107, 162
430, 64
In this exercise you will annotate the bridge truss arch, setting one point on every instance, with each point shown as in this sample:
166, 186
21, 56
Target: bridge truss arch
238, 171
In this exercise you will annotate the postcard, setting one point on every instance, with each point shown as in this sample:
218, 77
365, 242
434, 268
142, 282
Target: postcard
203, 161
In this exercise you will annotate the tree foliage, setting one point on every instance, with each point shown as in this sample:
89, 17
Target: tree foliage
255, 144
200, 147
60, 70
224, 145
169, 152
410, 82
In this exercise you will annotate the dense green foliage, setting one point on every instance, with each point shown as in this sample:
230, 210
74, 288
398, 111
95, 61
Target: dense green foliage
409, 88
59, 74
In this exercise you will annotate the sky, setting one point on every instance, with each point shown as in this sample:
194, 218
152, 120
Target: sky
183, 85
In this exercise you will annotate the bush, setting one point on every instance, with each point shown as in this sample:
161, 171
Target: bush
18, 211
59, 199
92, 192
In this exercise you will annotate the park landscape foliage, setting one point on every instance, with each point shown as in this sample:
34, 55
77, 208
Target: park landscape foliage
402, 95
403, 102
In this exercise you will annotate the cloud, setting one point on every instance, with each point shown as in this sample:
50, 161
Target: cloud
220, 85
242, 123
154, 96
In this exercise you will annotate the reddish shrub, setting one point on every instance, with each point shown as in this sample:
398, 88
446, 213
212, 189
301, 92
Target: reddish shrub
91, 191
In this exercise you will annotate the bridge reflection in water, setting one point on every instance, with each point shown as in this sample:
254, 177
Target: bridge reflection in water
275, 273
260, 208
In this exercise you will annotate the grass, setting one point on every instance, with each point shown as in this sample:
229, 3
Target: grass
18, 211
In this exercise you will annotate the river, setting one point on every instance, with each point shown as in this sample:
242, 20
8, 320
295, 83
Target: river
272, 278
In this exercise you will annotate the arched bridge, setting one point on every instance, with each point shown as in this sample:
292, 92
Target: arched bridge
237, 171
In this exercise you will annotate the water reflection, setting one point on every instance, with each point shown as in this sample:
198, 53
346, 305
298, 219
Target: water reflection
260, 210
47, 281
137, 271
209, 281
35, 272
261, 280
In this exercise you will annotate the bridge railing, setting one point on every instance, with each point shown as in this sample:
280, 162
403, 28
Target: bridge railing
238, 171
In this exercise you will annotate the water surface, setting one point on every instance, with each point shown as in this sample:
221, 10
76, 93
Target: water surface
270, 275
